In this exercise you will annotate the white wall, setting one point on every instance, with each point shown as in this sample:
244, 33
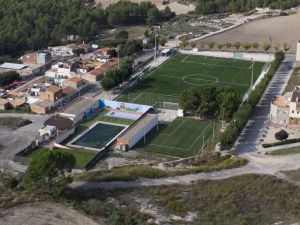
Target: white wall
140, 134
263, 57
298, 52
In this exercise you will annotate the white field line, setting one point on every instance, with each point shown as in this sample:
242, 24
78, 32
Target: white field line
161, 94
205, 79
183, 60
221, 60
165, 146
210, 137
136, 97
200, 135
217, 65
171, 134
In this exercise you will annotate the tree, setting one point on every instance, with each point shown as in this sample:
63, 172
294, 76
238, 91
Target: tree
122, 35
281, 135
9, 77
266, 46
184, 42
286, 47
193, 44
190, 100
246, 45
255, 45
162, 41
49, 172
220, 46
211, 44
229, 101
228, 45
153, 16
237, 45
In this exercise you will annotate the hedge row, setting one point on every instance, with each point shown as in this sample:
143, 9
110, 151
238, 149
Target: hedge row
241, 117
290, 141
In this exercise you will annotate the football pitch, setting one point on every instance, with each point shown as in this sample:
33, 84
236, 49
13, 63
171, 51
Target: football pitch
184, 137
180, 72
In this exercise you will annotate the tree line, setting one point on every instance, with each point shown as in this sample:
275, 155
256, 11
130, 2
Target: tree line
35, 24
220, 6
116, 76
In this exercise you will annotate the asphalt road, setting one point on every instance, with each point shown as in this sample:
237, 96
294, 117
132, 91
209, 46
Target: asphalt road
248, 141
13, 141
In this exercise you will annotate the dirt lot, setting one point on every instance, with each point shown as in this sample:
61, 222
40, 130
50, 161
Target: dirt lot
177, 8
282, 29
43, 214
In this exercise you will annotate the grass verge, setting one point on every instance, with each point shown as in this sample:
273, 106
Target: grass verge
82, 156
13, 122
286, 151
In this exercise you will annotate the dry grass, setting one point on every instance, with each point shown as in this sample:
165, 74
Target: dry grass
282, 29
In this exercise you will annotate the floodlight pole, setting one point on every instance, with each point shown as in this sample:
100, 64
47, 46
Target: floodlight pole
118, 50
213, 129
223, 118
155, 43
202, 143
252, 74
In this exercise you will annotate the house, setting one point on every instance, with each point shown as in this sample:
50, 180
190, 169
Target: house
43, 58
285, 110
74, 82
80, 108
94, 75
53, 93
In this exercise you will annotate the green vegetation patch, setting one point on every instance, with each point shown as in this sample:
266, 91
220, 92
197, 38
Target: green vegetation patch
13, 122
293, 174
82, 156
165, 83
286, 151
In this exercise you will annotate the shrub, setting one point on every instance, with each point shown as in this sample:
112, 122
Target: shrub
281, 135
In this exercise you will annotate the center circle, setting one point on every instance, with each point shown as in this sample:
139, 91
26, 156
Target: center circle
200, 79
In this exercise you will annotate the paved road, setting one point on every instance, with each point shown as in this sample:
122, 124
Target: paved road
249, 138
13, 141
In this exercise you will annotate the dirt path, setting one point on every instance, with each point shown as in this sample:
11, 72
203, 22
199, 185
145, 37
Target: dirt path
282, 29
43, 214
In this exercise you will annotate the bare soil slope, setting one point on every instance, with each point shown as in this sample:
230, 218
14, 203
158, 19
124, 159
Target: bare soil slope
282, 29
43, 214
175, 7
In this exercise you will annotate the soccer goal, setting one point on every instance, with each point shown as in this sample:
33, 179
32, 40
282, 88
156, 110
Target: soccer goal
167, 105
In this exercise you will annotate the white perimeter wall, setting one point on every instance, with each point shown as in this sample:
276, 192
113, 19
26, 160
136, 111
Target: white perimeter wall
263, 57
298, 53
144, 130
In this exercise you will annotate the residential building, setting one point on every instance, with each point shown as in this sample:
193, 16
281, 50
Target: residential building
285, 110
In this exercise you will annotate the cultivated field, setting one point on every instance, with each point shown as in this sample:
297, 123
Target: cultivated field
184, 137
183, 71
282, 29
175, 7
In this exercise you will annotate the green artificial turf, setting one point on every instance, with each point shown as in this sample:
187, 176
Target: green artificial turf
180, 72
182, 138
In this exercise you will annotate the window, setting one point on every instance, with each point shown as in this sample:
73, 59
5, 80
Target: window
292, 111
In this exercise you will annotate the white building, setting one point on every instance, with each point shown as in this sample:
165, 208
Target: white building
285, 110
